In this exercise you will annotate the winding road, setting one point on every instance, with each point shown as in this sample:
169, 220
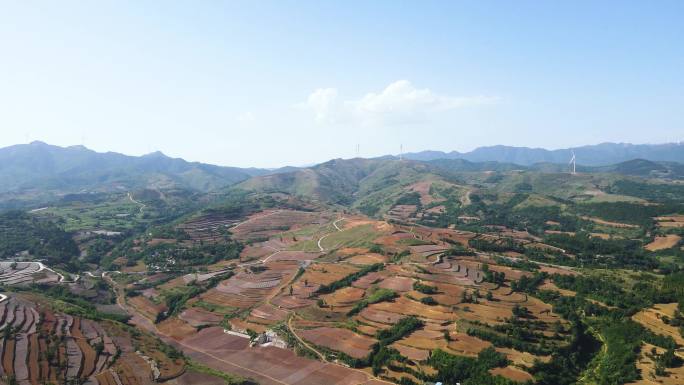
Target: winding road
142, 205
320, 247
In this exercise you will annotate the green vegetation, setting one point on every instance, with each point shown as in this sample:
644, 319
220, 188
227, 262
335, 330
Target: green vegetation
67, 302
597, 252
379, 295
175, 257
453, 369
347, 281
631, 213
400, 329
41, 238
175, 300
423, 288
382, 354
429, 301
651, 191
229, 379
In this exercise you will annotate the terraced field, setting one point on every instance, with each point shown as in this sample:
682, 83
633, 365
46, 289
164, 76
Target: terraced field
41, 346
24, 273
332, 286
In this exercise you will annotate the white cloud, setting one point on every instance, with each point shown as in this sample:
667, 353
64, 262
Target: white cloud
246, 117
323, 103
399, 103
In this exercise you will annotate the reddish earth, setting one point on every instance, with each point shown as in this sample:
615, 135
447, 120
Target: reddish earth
199, 317
380, 316
344, 297
512, 373
369, 279
367, 259
294, 256
462, 343
194, 378
147, 308
342, 340
665, 242
397, 283
266, 365
176, 329
292, 302
268, 223
269, 313
412, 353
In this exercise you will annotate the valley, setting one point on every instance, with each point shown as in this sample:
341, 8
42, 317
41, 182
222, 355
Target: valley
351, 272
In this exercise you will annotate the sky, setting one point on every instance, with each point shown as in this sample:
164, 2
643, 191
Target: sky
274, 83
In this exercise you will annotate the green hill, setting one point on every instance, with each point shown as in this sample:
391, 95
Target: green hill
39, 172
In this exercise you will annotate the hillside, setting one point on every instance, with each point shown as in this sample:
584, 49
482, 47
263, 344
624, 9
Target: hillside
372, 264
40, 172
380, 182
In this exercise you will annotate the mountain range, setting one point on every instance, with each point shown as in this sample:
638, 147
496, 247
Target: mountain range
42, 166
42, 171
593, 155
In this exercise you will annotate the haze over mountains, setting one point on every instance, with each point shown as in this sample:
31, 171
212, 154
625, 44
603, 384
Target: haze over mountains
40, 165
46, 168
592, 155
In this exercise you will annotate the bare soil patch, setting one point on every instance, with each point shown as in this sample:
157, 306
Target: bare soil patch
652, 318
513, 373
343, 340
664, 242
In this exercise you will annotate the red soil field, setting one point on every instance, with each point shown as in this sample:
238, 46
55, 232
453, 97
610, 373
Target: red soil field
326, 273
369, 279
512, 373
194, 378
344, 297
176, 329
392, 239
397, 283
380, 316
267, 365
147, 308
293, 256
464, 344
343, 340
89, 356
411, 353
367, 259
665, 242
268, 223
268, 312
199, 317
292, 302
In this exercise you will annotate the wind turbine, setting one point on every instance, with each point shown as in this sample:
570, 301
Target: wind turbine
572, 162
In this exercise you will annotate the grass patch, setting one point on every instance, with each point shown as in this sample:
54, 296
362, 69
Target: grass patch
229, 379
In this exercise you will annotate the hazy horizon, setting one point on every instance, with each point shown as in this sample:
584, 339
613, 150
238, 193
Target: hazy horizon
271, 84
325, 160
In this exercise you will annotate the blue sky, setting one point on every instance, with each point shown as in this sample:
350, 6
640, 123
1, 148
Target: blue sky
273, 83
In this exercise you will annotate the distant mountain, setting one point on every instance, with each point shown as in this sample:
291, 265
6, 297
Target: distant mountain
595, 155
645, 168
372, 185
333, 181
462, 165
44, 167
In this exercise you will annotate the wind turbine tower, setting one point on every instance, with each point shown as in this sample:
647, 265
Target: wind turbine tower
572, 163
401, 152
